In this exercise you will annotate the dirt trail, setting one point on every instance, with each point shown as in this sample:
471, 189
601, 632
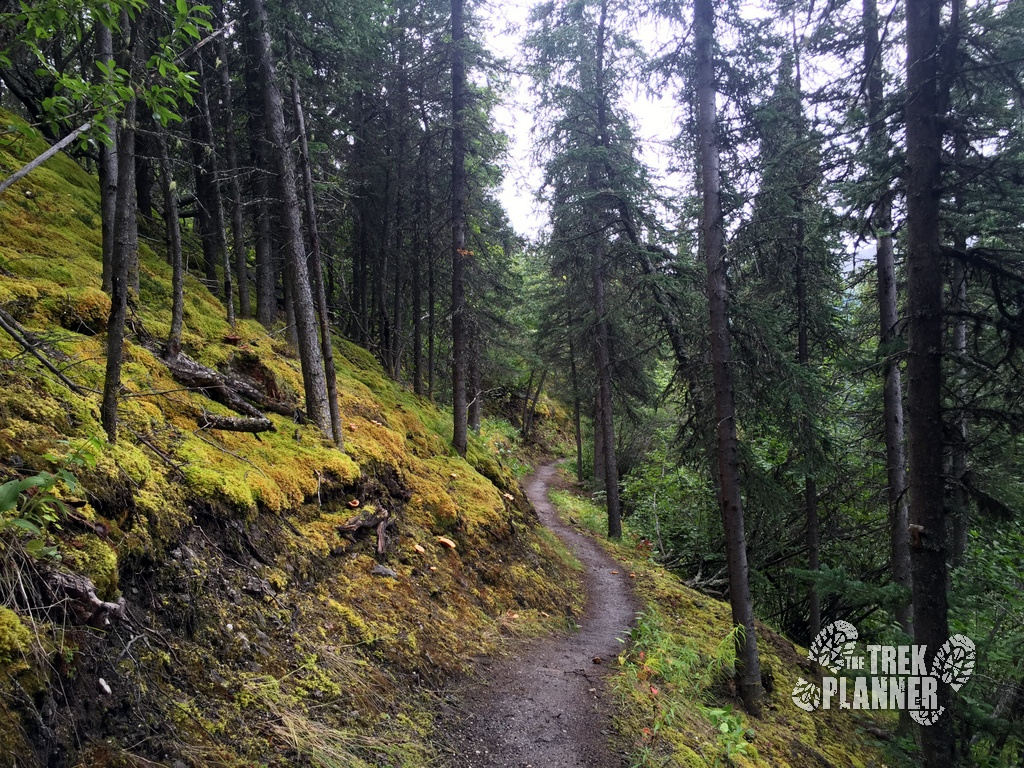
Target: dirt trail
546, 708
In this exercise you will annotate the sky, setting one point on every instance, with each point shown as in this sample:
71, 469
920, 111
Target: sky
654, 118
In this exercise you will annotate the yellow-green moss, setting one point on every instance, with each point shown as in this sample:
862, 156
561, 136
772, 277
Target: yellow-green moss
89, 555
15, 637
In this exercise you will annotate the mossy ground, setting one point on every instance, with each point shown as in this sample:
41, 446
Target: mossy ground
256, 634
676, 703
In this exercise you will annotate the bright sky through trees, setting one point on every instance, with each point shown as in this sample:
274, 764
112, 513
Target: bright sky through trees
655, 116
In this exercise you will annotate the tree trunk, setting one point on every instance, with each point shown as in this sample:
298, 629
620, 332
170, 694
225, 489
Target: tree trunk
806, 425
525, 420
928, 549
602, 363
315, 263
431, 329
959, 501
530, 411
108, 165
417, 286
602, 334
126, 248
259, 159
297, 272
459, 346
231, 168
215, 201
205, 182
576, 413
748, 667
173, 229
144, 175
892, 386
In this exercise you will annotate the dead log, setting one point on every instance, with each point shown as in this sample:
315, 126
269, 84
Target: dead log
377, 521
364, 520
249, 388
197, 376
77, 595
239, 393
236, 423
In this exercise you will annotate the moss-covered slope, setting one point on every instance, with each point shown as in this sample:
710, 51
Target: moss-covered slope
254, 632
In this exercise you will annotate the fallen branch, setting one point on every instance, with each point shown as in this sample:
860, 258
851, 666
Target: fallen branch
26, 169
197, 376
77, 595
236, 423
15, 331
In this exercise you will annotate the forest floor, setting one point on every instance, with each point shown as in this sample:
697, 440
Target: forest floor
547, 706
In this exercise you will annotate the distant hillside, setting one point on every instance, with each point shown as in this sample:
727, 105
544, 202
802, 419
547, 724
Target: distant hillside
284, 602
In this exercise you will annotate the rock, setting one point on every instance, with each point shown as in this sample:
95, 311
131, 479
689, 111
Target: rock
383, 570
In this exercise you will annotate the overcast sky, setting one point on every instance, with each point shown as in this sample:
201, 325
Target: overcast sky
654, 118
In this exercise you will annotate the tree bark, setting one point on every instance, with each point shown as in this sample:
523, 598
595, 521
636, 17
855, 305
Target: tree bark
928, 551
476, 404
576, 413
748, 667
218, 232
892, 386
959, 500
315, 262
173, 230
297, 272
126, 250
259, 156
417, 279
603, 366
108, 163
231, 169
459, 345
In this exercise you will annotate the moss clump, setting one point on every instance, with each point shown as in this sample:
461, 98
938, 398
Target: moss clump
91, 556
15, 638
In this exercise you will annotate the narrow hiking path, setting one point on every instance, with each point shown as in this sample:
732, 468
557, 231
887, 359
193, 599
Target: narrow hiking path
547, 707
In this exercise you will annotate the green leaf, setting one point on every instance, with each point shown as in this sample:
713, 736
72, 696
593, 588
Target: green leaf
27, 525
9, 493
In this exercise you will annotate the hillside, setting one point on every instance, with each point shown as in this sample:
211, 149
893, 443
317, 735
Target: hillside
253, 631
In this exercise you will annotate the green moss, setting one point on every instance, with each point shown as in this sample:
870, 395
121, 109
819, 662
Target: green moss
91, 556
15, 637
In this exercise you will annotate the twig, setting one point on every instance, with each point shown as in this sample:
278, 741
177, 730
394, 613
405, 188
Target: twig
31, 166
10, 325
229, 453
163, 456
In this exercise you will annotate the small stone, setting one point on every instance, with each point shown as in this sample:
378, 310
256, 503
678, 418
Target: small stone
104, 687
383, 570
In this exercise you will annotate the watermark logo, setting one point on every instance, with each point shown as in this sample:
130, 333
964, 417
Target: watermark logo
888, 677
